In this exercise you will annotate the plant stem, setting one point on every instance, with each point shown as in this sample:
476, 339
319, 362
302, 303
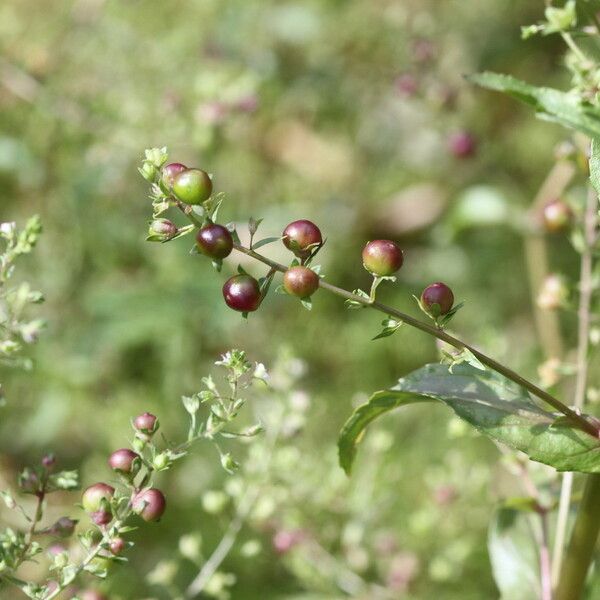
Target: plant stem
580, 420
583, 335
583, 541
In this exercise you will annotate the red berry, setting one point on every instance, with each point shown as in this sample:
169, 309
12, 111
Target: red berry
125, 461
169, 173
302, 237
146, 423
557, 216
301, 282
94, 495
437, 299
215, 241
462, 144
101, 517
150, 504
242, 293
382, 257
192, 186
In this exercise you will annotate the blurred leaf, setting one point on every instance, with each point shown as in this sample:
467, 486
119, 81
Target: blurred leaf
513, 555
492, 404
550, 104
595, 163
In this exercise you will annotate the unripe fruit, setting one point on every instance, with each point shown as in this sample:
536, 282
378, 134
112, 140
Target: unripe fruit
301, 282
557, 216
168, 174
163, 227
462, 144
215, 241
117, 545
94, 495
437, 299
146, 423
192, 186
242, 293
302, 237
382, 257
125, 461
150, 504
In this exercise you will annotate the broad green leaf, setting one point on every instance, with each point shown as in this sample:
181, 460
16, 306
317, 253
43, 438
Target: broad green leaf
492, 404
514, 555
550, 104
595, 164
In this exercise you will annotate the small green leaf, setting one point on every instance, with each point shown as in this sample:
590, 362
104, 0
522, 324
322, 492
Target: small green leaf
307, 303
390, 326
264, 242
494, 405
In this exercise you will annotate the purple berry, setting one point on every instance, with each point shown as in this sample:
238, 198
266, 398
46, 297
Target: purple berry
437, 299
94, 495
302, 237
117, 545
214, 241
146, 423
462, 144
557, 216
242, 293
168, 174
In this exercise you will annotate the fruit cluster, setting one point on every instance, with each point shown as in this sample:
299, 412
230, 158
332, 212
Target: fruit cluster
189, 188
106, 506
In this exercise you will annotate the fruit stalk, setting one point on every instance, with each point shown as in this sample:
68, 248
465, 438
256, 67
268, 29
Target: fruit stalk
575, 418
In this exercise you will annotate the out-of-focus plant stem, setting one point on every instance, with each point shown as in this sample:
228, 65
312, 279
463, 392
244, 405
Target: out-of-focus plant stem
583, 313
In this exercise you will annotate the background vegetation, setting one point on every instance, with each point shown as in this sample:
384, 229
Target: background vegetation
340, 112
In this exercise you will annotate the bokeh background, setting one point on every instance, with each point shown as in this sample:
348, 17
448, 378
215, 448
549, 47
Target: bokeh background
353, 114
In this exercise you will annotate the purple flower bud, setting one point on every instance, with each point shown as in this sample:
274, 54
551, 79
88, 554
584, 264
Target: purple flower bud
146, 423
117, 545
284, 540
407, 85
63, 528
49, 460
125, 461
101, 517
150, 504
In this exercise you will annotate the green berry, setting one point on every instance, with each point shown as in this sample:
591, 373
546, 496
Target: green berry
192, 186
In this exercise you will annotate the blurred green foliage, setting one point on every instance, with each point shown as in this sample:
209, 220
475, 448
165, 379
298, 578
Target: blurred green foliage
340, 112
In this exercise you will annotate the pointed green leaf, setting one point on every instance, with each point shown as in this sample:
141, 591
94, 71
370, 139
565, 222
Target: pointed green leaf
494, 405
595, 164
550, 104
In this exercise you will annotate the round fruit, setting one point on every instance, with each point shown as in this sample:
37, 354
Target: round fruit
146, 423
300, 281
117, 545
101, 517
437, 299
125, 461
215, 241
557, 216
168, 174
382, 257
242, 293
150, 504
192, 186
93, 496
302, 237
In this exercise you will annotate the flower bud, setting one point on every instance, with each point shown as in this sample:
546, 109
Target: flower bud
117, 545
462, 144
150, 504
146, 424
63, 528
125, 461
101, 517
161, 461
162, 229
97, 496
